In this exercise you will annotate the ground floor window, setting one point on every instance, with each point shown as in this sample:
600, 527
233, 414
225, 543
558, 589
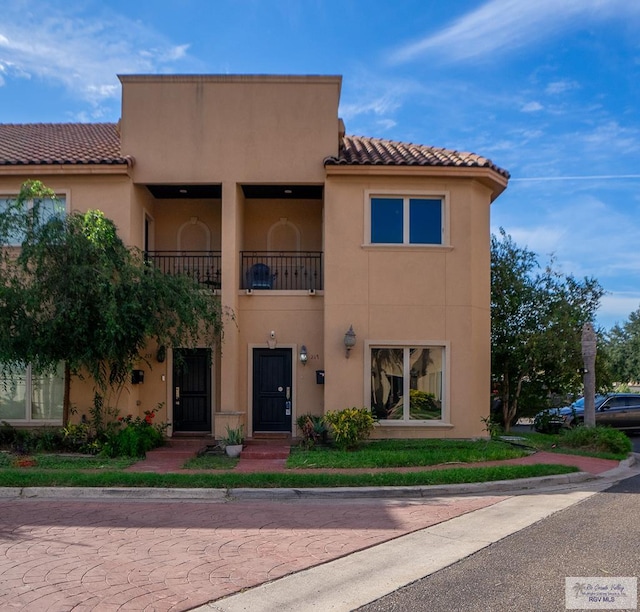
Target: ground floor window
406, 382
27, 396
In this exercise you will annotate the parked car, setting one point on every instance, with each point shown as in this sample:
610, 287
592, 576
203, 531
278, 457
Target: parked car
618, 410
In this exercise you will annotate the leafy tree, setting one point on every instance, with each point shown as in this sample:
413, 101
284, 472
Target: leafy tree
71, 291
536, 323
623, 345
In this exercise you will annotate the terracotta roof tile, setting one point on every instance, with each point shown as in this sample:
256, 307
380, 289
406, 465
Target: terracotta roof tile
99, 143
363, 151
59, 143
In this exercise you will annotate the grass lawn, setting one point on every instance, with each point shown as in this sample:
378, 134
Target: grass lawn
554, 443
404, 453
87, 471
35, 477
54, 461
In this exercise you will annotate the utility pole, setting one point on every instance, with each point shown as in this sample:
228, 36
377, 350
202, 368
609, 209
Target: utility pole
589, 372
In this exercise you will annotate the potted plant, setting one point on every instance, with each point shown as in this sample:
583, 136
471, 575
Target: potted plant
233, 441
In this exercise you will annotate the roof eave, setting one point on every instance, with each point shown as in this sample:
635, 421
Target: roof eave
113, 168
489, 177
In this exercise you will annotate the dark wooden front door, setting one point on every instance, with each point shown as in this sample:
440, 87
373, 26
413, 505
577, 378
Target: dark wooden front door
272, 391
191, 390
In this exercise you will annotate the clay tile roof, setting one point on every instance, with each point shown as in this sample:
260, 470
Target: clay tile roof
60, 143
363, 151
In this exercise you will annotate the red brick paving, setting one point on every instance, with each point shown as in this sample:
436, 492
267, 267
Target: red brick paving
169, 556
172, 456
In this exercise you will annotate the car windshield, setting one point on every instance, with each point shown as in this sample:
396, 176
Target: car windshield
580, 403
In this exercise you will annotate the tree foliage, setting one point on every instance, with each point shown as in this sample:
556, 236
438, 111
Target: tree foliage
537, 316
623, 346
72, 291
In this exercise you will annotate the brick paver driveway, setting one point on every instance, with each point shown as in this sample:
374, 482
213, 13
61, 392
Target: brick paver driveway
138, 555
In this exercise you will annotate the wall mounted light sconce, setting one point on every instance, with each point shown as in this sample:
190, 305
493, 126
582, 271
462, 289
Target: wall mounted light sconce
271, 342
161, 354
303, 355
349, 340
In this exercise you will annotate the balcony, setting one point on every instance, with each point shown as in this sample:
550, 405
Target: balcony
282, 271
203, 266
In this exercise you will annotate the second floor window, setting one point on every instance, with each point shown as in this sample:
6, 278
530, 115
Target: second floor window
48, 207
406, 220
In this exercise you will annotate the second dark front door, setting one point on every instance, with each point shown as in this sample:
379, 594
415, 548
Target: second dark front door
272, 391
191, 390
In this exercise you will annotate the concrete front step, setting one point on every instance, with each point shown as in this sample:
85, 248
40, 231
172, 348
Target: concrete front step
266, 452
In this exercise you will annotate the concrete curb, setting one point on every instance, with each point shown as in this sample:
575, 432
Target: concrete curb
418, 491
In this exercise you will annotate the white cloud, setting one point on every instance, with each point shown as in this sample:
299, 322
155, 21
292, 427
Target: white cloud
82, 53
615, 307
504, 25
175, 53
559, 87
531, 107
371, 101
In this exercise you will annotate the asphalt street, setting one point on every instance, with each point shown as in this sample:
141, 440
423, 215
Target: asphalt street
526, 571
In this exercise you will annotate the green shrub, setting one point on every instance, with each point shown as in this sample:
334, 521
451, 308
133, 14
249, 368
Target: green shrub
600, 439
80, 438
137, 436
349, 426
313, 429
494, 428
48, 439
7, 434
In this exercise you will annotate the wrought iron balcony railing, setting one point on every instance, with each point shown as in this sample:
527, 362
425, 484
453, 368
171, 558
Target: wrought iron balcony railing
202, 266
282, 270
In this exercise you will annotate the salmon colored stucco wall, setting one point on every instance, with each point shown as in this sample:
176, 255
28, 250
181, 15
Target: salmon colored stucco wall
432, 295
205, 129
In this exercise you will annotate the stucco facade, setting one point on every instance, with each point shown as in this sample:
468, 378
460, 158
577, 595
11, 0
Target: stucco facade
249, 183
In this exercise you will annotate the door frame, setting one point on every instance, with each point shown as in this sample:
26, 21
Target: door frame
294, 382
215, 363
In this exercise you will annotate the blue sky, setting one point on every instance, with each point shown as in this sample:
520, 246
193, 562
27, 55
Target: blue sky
548, 89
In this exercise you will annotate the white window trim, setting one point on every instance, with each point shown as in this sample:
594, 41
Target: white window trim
444, 421
444, 196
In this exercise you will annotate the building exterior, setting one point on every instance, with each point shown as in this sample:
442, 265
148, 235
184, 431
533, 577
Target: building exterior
358, 269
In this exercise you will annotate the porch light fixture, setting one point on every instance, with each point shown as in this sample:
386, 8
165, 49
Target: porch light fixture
303, 355
349, 340
271, 342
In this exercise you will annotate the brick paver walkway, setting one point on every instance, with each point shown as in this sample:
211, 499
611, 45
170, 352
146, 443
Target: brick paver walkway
138, 556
